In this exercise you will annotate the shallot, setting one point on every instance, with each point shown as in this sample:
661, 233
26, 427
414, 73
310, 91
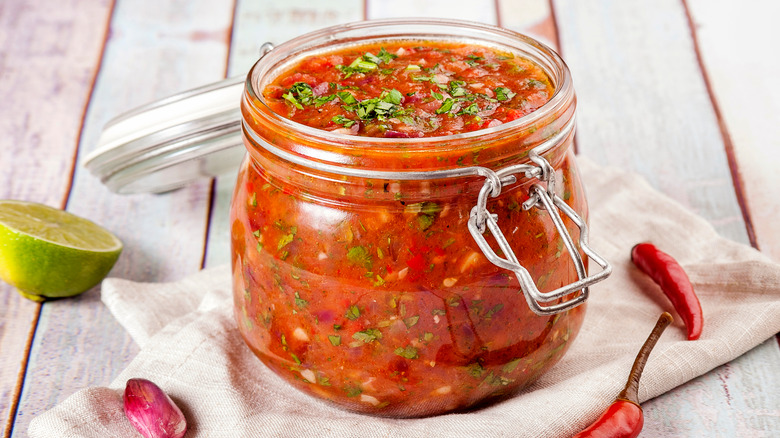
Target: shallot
152, 412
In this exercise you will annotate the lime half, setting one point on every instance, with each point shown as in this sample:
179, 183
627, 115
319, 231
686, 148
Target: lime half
50, 253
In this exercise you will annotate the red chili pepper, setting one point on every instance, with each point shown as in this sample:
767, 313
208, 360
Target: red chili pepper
667, 273
624, 418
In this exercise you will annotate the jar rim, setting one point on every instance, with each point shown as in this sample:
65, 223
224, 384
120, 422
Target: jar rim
329, 37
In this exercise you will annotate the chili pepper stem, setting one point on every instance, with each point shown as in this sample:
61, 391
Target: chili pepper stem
631, 391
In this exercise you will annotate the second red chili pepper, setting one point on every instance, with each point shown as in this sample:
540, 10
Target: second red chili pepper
674, 282
624, 417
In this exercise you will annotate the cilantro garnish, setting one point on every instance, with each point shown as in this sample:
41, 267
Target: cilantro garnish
446, 106
503, 93
335, 340
341, 120
471, 110
299, 94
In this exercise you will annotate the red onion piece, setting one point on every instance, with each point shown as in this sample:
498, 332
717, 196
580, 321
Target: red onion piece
152, 412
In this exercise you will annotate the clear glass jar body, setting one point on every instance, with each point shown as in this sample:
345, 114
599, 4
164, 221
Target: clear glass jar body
369, 291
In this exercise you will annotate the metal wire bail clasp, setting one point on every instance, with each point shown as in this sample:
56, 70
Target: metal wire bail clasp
545, 198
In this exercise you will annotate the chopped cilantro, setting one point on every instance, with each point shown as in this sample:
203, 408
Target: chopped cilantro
510, 366
446, 106
346, 97
300, 302
436, 95
424, 221
408, 352
322, 100
352, 390
352, 314
411, 321
367, 336
471, 110
335, 340
503, 93
359, 256
285, 240
341, 120
427, 336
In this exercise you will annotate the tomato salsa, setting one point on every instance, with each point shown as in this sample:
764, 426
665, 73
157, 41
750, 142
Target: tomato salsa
408, 89
370, 292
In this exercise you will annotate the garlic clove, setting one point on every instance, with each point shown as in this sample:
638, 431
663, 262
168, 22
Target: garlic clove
151, 411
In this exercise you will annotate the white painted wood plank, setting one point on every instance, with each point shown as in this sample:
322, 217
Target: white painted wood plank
475, 10
156, 48
257, 22
49, 55
743, 67
642, 103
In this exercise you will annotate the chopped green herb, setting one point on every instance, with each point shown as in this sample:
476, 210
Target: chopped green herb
408, 352
285, 240
446, 106
353, 313
300, 302
322, 100
497, 308
335, 340
471, 110
341, 120
411, 321
346, 97
510, 366
299, 94
427, 336
475, 369
503, 93
359, 256
367, 336
352, 390
438, 312
295, 358
424, 222
436, 95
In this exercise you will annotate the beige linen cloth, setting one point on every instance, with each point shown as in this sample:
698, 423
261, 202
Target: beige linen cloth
189, 345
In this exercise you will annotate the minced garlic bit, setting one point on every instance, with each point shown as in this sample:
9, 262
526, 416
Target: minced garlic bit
300, 334
309, 376
449, 281
443, 390
365, 398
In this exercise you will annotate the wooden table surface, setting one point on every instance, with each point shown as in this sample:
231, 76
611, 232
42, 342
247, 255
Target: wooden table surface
683, 92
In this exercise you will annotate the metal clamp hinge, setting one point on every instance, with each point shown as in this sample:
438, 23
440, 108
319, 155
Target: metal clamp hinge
545, 198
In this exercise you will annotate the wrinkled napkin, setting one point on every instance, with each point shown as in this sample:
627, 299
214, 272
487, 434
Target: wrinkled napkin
191, 348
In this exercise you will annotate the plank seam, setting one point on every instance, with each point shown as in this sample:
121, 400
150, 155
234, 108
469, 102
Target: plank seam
17, 393
728, 145
213, 184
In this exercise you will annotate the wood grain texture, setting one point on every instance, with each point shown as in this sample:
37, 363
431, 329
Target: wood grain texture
156, 48
742, 68
483, 11
49, 56
643, 105
255, 23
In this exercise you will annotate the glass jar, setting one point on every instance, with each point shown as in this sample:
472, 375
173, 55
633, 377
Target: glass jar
371, 272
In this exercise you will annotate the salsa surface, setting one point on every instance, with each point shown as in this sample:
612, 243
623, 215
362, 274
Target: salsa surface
409, 89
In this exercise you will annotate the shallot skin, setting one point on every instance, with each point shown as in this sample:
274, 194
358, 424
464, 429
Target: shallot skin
151, 411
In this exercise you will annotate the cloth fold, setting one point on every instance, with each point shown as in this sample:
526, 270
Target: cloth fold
191, 348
